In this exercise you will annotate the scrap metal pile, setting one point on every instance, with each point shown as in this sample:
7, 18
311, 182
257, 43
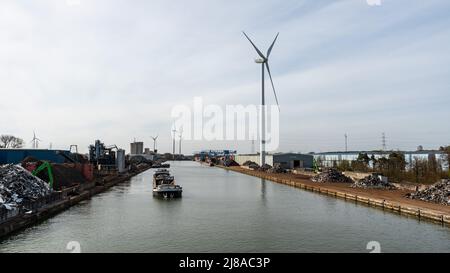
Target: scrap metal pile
251, 164
332, 176
230, 163
277, 169
265, 168
373, 182
437, 193
64, 175
18, 185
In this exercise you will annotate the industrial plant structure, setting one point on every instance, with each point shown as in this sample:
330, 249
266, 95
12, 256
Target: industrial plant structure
136, 148
284, 160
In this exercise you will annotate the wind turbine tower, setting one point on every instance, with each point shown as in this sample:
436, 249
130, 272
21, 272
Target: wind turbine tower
35, 141
181, 137
174, 131
264, 61
154, 143
346, 142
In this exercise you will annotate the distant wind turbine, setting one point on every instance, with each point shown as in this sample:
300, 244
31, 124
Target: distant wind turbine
174, 130
154, 142
180, 131
264, 61
35, 141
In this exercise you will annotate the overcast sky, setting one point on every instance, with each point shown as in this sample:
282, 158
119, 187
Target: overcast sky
76, 71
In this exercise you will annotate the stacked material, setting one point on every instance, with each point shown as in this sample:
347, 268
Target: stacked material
251, 164
64, 175
18, 185
138, 159
373, 182
438, 193
277, 169
230, 163
142, 165
160, 164
67, 175
248, 163
332, 176
265, 168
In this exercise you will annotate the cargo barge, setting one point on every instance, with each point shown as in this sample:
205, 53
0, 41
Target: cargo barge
164, 185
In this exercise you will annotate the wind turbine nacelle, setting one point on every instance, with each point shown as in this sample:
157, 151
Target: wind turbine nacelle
260, 60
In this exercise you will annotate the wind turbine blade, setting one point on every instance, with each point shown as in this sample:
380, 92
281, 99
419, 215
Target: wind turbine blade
257, 50
271, 46
273, 87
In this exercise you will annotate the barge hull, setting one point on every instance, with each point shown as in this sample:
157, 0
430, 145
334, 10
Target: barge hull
167, 194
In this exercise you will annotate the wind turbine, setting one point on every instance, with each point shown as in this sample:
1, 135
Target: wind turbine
154, 142
174, 130
264, 61
181, 136
35, 141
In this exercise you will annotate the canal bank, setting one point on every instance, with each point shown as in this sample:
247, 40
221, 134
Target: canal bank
394, 201
224, 211
67, 198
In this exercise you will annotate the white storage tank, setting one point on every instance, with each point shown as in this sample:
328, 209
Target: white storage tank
120, 160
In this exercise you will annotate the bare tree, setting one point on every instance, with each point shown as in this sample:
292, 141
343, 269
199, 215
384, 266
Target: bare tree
9, 141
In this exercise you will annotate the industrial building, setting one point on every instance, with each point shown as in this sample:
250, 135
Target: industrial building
330, 159
136, 148
107, 157
285, 160
217, 154
100, 154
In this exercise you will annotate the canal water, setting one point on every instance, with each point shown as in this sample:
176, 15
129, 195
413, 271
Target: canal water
224, 211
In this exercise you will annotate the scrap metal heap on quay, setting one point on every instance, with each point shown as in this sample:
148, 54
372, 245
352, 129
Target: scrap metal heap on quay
437, 193
332, 176
34, 185
19, 187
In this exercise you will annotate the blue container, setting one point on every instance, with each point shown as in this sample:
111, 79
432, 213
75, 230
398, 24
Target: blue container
15, 156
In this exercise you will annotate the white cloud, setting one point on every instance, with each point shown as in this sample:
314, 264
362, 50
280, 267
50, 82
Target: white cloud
113, 69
